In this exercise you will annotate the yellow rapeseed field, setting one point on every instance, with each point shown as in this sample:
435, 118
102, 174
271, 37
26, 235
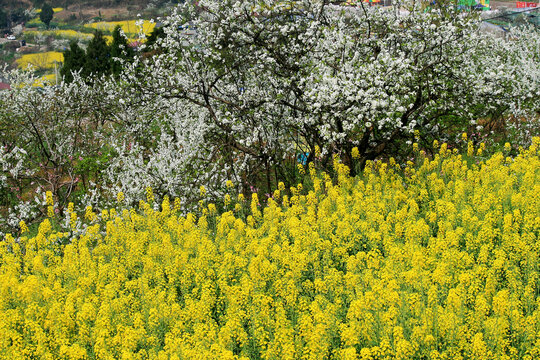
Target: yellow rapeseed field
58, 9
43, 60
48, 79
129, 26
66, 34
439, 260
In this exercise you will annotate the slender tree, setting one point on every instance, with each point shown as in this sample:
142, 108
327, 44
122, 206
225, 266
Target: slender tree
46, 14
3, 19
120, 50
98, 56
74, 60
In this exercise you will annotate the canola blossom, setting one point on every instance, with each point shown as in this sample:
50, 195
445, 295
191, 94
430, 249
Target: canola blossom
438, 260
48, 79
57, 9
130, 27
64, 34
69, 35
44, 60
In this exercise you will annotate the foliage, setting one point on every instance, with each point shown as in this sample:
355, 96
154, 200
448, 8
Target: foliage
74, 61
271, 83
436, 261
120, 50
41, 138
4, 20
98, 56
157, 33
17, 16
46, 14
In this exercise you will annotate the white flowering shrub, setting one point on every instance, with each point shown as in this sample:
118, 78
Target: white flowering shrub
46, 135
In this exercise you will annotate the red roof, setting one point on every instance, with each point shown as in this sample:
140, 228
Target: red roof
4, 86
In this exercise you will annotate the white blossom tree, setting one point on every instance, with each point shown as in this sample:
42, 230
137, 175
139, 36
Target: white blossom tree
46, 134
269, 79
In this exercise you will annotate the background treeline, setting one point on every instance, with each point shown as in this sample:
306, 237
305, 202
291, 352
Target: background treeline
15, 12
12, 16
14, 4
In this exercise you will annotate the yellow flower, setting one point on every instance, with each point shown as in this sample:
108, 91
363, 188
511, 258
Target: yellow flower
470, 148
50, 211
355, 153
23, 226
149, 195
333, 264
89, 214
73, 220
442, 150
45, 227
177, 205
317, 151
166, 205
49, 198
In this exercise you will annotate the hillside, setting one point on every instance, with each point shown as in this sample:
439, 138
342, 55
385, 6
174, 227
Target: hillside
10, 4
85, 10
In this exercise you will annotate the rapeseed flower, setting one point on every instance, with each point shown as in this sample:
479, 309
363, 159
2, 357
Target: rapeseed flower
438, 263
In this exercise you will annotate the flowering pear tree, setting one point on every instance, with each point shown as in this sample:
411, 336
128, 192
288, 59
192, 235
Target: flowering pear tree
266, 80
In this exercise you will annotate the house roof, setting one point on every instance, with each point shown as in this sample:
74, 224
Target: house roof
4, 86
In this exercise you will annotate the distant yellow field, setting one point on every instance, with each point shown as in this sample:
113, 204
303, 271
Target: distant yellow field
70, 34
44, 80
40, 60
128, 26
67, 34
54, 9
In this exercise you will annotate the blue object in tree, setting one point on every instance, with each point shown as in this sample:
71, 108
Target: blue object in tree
302, 158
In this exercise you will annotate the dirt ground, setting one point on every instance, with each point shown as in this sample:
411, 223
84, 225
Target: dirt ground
86, 12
